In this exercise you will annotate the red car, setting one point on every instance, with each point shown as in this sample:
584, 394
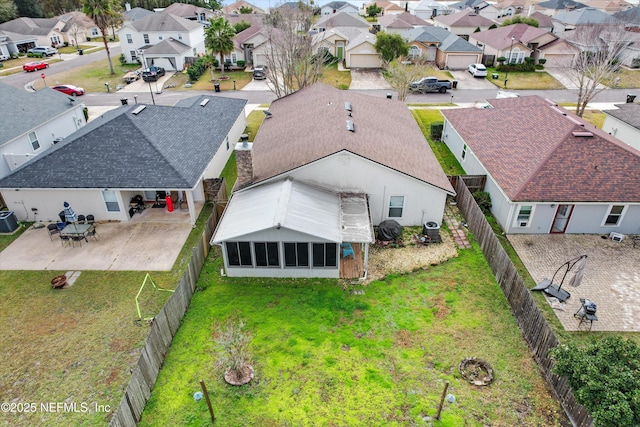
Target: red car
35, 65
69, 89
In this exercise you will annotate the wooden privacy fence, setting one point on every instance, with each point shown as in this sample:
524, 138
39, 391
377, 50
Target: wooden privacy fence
473, 182
536, 330
163, 329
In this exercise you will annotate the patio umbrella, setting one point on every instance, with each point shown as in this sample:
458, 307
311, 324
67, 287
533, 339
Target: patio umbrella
69, 214
580, 265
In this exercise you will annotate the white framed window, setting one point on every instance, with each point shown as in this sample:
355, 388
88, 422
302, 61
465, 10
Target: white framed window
325, 255
55, 40
464, 151
111, 201
134, 55
524, 215
296, 254
129, 39
234, 57
614, 216
95, 32
239, 254
146, 38
414, 52
33, 139
267, 254
396, 206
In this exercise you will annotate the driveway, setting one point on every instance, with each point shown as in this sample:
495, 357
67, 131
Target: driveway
467, 81
363, 78
150, 242
611, 278
142, 86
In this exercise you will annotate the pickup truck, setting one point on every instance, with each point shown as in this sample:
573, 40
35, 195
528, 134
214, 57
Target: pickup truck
152, 74
430, 84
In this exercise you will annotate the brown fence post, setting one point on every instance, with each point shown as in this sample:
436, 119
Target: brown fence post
206, 396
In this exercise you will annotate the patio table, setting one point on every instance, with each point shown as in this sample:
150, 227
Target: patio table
75, 230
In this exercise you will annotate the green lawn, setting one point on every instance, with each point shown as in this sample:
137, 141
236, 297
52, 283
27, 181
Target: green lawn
324, 356
629, 79
92, 77
524, 81
338, 79
447, 160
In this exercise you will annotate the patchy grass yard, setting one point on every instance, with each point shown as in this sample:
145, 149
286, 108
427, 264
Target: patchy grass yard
324, 356
595, 117
629, 79
91, 77
447, 160
338, 79
524, 81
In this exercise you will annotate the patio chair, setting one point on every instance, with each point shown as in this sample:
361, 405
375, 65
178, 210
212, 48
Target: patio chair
81, 219
53, 229
347, 250
92, 232
90, 219
66, 240
78, 239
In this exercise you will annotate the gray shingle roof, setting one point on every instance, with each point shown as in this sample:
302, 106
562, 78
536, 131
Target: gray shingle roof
161, 147
311, 124
29, 26
628, 113
561, 4
23, 111
164, 22
584, 16
169, 46
137, 13
341, 19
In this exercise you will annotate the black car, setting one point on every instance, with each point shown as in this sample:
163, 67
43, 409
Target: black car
152, 74
260, 73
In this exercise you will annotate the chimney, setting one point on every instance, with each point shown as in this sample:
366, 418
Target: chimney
244, 161
127, 6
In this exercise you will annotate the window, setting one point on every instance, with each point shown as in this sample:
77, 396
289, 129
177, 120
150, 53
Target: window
234, 57
146, 38
55, 40
296, 255
614, 215
325, 255
464, 151
134, 55
239, 254
95, 32
524, 215
33, 138
111, 201
396, 206
266, 254
414, 52
129, 39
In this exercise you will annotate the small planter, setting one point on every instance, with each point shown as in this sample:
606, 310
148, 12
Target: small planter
58, 282
232, 378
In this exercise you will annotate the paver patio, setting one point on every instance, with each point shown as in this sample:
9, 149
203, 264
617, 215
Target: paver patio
611, 278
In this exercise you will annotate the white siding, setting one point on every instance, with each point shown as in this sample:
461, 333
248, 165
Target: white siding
623, 131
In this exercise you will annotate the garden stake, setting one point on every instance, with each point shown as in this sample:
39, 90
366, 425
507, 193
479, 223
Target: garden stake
444, 393
206, 396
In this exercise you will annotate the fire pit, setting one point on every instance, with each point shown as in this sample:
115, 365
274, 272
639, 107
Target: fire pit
58, 282
476, 371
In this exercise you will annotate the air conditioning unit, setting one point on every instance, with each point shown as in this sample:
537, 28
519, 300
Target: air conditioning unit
616, 237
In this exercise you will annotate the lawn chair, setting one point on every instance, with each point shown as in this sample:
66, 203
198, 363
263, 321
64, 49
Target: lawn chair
347, 250
92, 232
53, 229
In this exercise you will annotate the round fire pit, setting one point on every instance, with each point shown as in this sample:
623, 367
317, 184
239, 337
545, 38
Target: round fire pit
58, 282
476, 371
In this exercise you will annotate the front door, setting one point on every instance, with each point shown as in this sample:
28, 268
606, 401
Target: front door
561, 220
340, 50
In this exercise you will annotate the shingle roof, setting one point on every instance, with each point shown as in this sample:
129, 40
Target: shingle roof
23, 111
467, 18
169, 46
341, 19
161, 147
500, 38
561, 4
137, 13
30, 26
403, 20
311, 124
448, 42
628, 113
164, 22
584, 16
528, 146
631, 16
185, 10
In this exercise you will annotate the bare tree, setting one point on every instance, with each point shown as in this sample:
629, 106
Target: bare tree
74, 30
289, 52
598, 60
400, 74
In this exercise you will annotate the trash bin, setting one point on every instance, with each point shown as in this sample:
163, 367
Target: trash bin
494, 76
62, 217
80, 52
630, 98
454, 84
8, 222
216, 86
389, 95
124, 101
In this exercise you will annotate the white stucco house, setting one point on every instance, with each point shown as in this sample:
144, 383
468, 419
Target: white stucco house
337, 7
547, 170
324, 169
73, 28
163, 40
624, 123
132, 150
51, 117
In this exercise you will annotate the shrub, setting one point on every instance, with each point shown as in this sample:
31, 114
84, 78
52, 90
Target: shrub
88, 39
542, 61
241, 63
483, 199
122, 59
529, 60
66, 44
436, 130
539, 67
232, 342
197, 69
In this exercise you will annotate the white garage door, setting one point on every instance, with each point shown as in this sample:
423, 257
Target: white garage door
364, 61
460, 62
558, 60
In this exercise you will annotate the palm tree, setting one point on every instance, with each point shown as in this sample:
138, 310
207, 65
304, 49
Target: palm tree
100, 11
219, 38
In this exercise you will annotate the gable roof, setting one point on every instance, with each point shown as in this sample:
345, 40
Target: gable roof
168, 46
561, 4
186, 11
402, 20
500, 37
584, 16
164, 22
466, 18
19, 106
160, 147
310, 124
338, 5
341, 19
30, 26
346, 33
631, 16
137, 13
628, 113
235, 7
546, 163
448, 42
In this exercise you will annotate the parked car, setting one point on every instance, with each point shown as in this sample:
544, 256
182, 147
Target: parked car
477, 70
35, 66
43, 50
131, 76
4, 57
430, 84
259, 73
152, 74
69, 89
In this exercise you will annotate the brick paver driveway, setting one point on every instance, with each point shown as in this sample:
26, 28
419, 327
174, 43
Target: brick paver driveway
611, 279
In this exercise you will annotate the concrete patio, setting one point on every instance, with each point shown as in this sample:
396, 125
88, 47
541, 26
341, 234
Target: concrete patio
611, 278
151, 241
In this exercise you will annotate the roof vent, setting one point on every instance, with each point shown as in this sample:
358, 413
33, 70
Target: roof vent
350, 127
138, 110
267, 114
583, 134
347, 106
204, 102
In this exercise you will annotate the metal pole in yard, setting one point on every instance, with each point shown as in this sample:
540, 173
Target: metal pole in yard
206, 396
444, 393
